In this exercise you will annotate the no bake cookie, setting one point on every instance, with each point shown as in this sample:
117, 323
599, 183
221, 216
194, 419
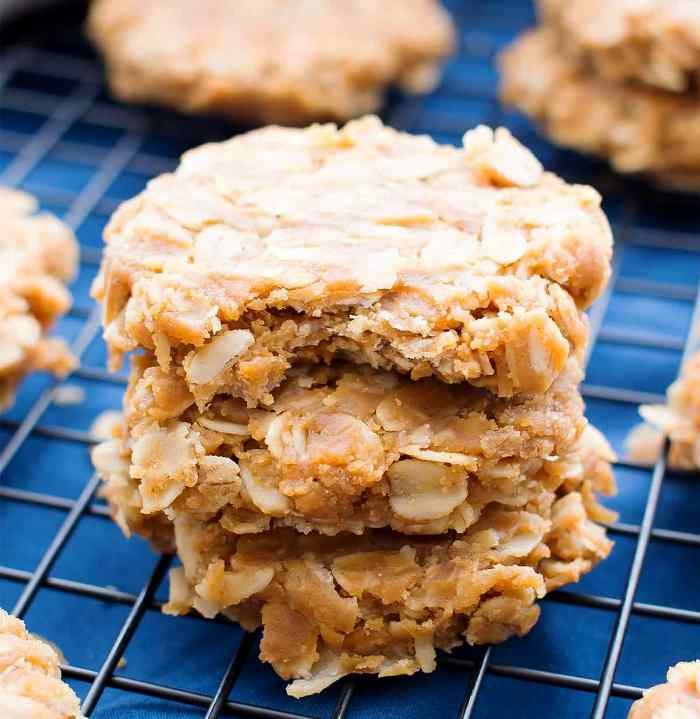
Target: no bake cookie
679, 420
30, 676
639, 130
271, 61
382, 603
38, 255
655, 42
678, 698
340, 449
282, 245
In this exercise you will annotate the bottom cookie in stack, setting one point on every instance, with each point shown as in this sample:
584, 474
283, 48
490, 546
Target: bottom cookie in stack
381, 602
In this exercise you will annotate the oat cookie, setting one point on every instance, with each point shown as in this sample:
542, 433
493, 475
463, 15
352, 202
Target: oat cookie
679, 698
341, 449
382, 603
679, 420
655, 42
283, 245
271, 61
38, 255
638, 130
30, 676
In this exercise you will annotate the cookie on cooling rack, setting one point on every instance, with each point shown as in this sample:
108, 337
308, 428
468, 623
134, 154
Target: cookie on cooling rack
382, 603
655, 42
379, 602
679, 698
286, 245
322, 315
30, 676
679, 420
341, 449
270, 61
38, 256
638, 130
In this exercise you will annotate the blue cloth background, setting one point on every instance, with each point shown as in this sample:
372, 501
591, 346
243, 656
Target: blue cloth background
191, 653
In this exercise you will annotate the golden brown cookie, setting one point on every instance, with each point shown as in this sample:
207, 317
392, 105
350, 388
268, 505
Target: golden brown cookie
638, 130
678, 698
655, 42
270, 61
368, 244
341, 449
38, 255
679, 420
30, 676
382, 603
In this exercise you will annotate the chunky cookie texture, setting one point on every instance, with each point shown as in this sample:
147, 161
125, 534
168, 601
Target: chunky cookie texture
679, 420
654, 42
354, 413
638, 130
279, 61
678, 698
341, 449
381, 602
30, 676
38, 255
282, 245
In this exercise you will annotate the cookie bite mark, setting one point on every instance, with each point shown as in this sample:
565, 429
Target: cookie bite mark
363, 244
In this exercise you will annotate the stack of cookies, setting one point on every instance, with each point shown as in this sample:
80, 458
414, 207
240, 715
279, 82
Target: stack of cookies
615, 78
354, 411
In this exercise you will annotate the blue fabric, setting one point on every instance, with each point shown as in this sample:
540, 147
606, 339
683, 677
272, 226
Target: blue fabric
191, 653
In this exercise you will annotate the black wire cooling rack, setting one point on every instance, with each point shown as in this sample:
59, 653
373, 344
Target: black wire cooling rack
64, 139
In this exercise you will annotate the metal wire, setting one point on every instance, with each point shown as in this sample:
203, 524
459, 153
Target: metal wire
643, 537
83, 103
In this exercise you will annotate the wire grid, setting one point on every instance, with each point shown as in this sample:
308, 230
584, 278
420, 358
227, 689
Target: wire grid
57, 115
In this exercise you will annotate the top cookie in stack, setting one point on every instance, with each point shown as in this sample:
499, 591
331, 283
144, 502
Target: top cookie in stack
283, 245
350, 338
616, 78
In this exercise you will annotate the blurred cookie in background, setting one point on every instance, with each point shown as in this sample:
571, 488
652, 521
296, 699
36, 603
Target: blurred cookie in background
639, 130
270, 61
654, 42
38, 256
616, 79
